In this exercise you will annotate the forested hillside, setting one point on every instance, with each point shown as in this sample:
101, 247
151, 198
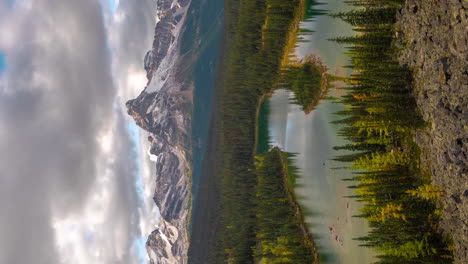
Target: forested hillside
380, 118
258, 34
280, 232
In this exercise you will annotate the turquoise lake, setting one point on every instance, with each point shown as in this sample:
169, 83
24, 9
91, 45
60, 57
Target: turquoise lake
321, 189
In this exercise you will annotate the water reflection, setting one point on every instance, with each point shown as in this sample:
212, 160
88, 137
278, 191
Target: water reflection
321, 189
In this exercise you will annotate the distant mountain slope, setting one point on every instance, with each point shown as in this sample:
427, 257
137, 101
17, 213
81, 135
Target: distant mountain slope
163, 109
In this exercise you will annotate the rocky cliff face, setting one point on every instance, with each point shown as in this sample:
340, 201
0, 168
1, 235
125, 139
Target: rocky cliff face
436, 40
163, 109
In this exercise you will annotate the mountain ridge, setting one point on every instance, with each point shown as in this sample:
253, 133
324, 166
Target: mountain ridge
162, 109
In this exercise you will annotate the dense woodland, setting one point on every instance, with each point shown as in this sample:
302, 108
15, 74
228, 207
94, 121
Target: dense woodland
280, 232
257, 34
379, 119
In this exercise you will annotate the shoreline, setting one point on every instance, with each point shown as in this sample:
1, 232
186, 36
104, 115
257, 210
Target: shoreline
293, 199
206, 251
324, 88
257, 115
205, 204
325, 81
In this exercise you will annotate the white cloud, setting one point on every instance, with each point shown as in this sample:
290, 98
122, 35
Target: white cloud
134, 81
71, 167
99, 231
129, 45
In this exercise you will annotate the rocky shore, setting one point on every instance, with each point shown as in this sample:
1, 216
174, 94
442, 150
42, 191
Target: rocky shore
163, 110
433, 37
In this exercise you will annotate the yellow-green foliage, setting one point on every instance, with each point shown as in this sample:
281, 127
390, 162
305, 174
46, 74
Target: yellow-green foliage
389, 211
278, 232
377, 127
380, 117
277, 251
427, 191
381, 161
411, 249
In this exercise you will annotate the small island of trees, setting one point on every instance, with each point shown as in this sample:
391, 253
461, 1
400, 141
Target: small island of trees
258, 220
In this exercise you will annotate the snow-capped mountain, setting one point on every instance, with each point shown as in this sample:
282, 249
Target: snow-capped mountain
163, 109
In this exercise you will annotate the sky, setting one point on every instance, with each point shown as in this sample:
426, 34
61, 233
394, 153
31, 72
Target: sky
2, 62
76, 184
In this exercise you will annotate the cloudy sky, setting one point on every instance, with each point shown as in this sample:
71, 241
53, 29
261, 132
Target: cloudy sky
75, 182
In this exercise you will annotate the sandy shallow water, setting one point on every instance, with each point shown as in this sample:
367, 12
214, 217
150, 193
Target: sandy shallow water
322, 193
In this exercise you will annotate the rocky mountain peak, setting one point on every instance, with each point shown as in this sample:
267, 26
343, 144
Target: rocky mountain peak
137, 110
161, 110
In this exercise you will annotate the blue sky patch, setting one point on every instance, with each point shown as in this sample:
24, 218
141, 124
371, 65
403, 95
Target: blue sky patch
133, 131
9, 3
112, 4
3, 63
140, 249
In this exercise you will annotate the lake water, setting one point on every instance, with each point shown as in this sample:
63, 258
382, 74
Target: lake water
202, 40
322, 190
206, 19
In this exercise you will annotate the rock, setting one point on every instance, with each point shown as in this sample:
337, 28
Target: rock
160, 244
162, 110
438, 55
456, 198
